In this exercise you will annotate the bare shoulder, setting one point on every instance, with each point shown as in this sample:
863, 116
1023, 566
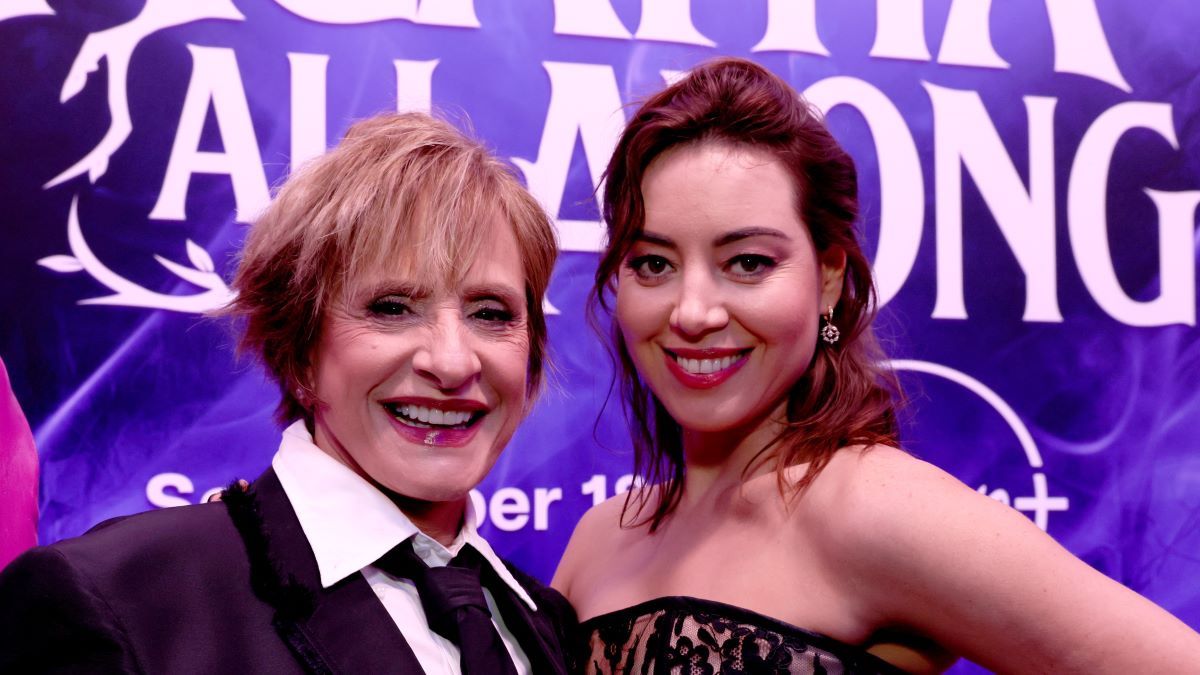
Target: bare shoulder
925, 553
884, 470
596, 535
873, 509
864, 489
889, 518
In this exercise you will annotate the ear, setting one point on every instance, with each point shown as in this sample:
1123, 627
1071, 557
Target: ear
833, 275
302, 387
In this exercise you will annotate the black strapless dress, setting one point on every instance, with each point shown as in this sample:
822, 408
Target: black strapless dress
690, 636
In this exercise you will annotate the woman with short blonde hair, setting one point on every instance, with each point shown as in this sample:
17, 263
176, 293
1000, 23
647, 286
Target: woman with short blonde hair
393, 290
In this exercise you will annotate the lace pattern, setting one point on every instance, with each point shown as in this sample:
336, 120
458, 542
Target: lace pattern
689, 636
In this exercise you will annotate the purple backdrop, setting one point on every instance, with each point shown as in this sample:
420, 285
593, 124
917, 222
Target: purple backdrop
1030, 173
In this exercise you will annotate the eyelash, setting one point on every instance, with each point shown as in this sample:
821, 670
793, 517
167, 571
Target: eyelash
760, 263
764, 264
394, 307
388, 306
638, 266
495, 315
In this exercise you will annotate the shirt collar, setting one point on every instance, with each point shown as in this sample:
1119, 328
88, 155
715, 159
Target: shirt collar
328, 497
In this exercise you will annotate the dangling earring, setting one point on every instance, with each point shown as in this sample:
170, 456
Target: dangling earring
829, 332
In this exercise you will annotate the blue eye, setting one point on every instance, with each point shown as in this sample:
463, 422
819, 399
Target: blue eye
750, 264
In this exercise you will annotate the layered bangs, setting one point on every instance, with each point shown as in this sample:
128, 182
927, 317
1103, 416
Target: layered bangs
422, 203
432, 228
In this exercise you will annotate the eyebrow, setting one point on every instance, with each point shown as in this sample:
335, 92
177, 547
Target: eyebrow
405, 290
748, 232
651, 238
723, 240
508, 296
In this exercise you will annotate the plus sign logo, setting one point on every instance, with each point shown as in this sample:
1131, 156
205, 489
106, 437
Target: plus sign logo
1041, 503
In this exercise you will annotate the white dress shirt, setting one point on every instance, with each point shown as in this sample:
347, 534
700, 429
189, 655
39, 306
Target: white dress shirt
350, 524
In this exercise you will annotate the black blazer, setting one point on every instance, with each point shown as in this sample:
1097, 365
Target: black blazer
223, 587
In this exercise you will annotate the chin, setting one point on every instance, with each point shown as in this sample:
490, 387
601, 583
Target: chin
697, 418
711, 419
707, 425
433, 492
437, 494
437, 481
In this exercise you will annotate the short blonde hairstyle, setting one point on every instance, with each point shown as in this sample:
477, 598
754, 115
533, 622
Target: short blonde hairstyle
398, 187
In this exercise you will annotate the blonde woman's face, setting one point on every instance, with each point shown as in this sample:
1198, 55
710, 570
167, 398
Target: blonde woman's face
421, 387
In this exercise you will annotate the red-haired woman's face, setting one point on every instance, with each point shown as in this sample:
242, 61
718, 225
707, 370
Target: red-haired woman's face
719, 300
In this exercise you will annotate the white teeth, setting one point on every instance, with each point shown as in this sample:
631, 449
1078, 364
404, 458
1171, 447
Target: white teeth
433, 416
705, 366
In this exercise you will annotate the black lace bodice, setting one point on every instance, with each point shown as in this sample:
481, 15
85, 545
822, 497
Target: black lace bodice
690, 636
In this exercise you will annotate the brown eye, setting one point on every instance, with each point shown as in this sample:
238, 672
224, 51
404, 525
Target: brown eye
649, 266
750, 265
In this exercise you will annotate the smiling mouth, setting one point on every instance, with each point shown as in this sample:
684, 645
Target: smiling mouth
707, 366
425, 417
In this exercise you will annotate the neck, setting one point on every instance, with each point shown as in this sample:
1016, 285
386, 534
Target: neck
719, 459
440, 521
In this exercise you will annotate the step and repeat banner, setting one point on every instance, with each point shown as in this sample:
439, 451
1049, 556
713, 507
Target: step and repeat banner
1030, 177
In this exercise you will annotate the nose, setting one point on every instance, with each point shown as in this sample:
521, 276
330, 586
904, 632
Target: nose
700, 309
448, 358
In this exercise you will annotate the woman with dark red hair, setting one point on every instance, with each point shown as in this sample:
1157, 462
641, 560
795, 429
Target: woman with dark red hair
780, 529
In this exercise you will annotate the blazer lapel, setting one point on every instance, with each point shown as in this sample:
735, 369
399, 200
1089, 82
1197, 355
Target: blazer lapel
534, 631
340, 629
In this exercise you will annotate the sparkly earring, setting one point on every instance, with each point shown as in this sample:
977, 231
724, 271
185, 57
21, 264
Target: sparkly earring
829, 332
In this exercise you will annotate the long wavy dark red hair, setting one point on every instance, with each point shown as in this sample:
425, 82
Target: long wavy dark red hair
846, 397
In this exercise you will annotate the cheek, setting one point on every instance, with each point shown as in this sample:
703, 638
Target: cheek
508, 371
337, 375
640, 313
788, 318
636, 324
791, 301
509, 379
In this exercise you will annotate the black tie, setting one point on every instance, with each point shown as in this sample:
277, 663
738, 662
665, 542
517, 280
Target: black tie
452, 597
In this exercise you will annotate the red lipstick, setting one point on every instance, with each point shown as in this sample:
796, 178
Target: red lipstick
435, 436
704, 380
